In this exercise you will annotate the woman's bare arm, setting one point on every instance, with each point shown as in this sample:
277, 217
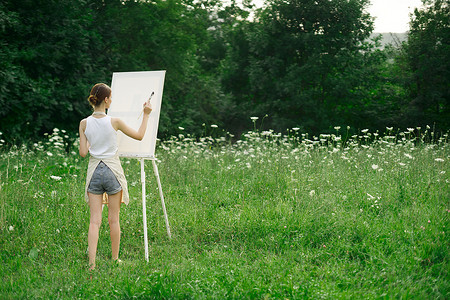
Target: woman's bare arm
84, 144
139, 134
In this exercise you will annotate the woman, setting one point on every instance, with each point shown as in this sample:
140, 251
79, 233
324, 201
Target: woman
98, 137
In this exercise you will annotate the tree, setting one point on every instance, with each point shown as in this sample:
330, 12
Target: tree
295, 50
46, 57
428, 55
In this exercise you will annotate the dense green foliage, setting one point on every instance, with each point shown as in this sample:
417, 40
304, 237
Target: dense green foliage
428, 54
307, 64
268, 217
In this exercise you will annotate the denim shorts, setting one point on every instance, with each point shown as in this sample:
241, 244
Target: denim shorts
104, 181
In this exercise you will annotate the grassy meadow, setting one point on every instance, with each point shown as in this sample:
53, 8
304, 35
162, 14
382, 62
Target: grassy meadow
273, 216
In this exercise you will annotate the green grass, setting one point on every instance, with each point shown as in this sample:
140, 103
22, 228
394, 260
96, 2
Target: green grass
270, 216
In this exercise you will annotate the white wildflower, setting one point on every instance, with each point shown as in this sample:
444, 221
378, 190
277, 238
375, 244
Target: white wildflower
337, 127
375, 167
409, 156
11, 228
181, 128
439, 159
312, 193
296, 129
49, 154
55, 177
410, 129
214, 126
254, 118
389, 128
364, 130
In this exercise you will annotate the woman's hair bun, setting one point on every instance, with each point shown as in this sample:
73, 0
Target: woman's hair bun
93, 100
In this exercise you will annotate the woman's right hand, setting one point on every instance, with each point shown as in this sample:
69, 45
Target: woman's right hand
147, 108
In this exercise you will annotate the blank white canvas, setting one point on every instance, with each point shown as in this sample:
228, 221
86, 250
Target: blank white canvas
129, 92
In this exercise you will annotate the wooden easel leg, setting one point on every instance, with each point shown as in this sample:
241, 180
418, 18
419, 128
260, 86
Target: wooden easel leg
155, 168
144, 209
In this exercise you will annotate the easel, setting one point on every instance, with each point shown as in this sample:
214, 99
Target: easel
144, 203
144, 206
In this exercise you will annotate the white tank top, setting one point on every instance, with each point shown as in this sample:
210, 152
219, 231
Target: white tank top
101, 136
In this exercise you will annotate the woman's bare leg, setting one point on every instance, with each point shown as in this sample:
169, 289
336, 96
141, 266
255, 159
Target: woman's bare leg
114, 224
95, 204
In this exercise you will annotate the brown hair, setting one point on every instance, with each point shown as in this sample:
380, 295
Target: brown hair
99, 92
